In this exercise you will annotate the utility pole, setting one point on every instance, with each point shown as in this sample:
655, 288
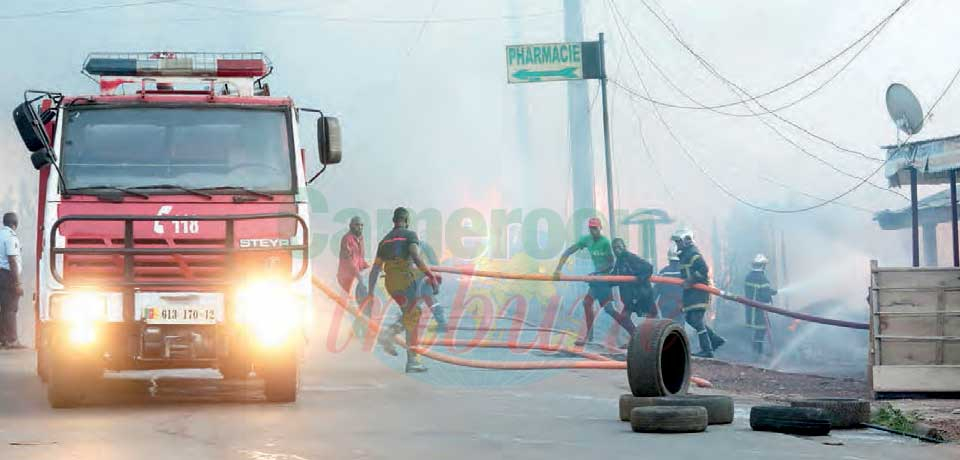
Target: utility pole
606, 140
520, 116
578, 116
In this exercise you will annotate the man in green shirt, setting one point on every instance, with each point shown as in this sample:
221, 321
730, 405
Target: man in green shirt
603, 261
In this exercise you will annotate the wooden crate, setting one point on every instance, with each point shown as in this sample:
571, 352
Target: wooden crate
914, 330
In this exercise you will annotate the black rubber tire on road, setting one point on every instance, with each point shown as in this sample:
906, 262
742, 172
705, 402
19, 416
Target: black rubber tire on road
719, 408
668, 419
629, 402
658, 359
806, 421
281, 380
842, 412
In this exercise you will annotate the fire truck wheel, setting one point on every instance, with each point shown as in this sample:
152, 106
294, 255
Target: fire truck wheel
658, 359
804, 421
668, 419
628, 402
67, 383
42, 366
281, 380
719, 408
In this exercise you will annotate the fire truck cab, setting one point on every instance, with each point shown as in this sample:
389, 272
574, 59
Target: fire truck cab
172, 226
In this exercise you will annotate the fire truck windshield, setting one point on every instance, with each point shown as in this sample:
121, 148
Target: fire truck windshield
190, 147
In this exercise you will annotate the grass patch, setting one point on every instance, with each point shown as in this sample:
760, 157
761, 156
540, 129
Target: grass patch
893, 418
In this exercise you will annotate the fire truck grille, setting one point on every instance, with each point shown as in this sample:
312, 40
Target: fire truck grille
145, 267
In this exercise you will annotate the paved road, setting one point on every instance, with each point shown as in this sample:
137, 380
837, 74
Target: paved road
357, 405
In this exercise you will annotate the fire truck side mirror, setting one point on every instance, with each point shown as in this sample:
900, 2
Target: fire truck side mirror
30, 127
328, 137
40, 158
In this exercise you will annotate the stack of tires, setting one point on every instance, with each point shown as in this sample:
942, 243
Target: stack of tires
658, 370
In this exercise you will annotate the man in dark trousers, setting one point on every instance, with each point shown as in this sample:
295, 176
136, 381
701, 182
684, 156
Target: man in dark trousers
11, 287
602, 255
694, 270
637, 297
398, 255
669, 297
757, 287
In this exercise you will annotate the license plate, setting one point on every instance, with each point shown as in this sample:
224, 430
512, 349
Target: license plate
180, 314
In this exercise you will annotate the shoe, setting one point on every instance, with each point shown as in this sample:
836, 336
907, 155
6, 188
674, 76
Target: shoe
717, 341
704, 354
3, 345
16, 346
387, 344
416, 368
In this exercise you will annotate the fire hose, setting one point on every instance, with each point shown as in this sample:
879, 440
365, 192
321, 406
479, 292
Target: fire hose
654, 279
592, 361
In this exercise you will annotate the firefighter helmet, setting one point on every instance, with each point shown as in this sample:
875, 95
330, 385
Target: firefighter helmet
682, 234
760, 259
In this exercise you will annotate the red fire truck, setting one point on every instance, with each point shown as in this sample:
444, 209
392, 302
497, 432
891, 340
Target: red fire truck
172, 226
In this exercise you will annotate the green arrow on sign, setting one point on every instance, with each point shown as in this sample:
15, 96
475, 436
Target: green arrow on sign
537, 75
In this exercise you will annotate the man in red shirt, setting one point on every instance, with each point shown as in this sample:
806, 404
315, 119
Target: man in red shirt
352, 264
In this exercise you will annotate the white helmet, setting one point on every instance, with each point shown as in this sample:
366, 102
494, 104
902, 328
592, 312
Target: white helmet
672, 254
682, 234
760, 259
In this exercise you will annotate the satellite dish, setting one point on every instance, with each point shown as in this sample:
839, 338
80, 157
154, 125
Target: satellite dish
904, 109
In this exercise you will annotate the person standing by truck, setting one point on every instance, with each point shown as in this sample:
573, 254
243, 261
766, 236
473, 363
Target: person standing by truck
11, 287
603, 260
398, 255
352, 263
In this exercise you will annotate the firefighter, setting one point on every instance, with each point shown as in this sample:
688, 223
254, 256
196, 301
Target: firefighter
757, 287
637, 297
602, 255
694, 270
669, 297
398, 255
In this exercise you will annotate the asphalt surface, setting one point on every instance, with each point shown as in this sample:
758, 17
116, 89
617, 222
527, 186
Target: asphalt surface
356, 404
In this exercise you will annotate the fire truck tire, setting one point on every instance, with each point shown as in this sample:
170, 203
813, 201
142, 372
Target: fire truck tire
281, 380
668, 419
719, 408
42, 366
804, 421
629, 402
67, 383
658, 359
843, 412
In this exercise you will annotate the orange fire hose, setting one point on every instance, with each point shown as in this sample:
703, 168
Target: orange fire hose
498, 365
653, 279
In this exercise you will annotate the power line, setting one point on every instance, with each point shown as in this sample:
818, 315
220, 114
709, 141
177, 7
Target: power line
710, 68
646, 150
371, 20
870, 35
793, 143
745, 202
85, 9
664, 21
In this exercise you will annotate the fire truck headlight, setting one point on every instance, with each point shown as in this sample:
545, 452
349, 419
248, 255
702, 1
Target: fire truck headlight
80, 312
271, 311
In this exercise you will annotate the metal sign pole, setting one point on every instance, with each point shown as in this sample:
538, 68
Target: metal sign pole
606, 141
953, 213
916, 217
